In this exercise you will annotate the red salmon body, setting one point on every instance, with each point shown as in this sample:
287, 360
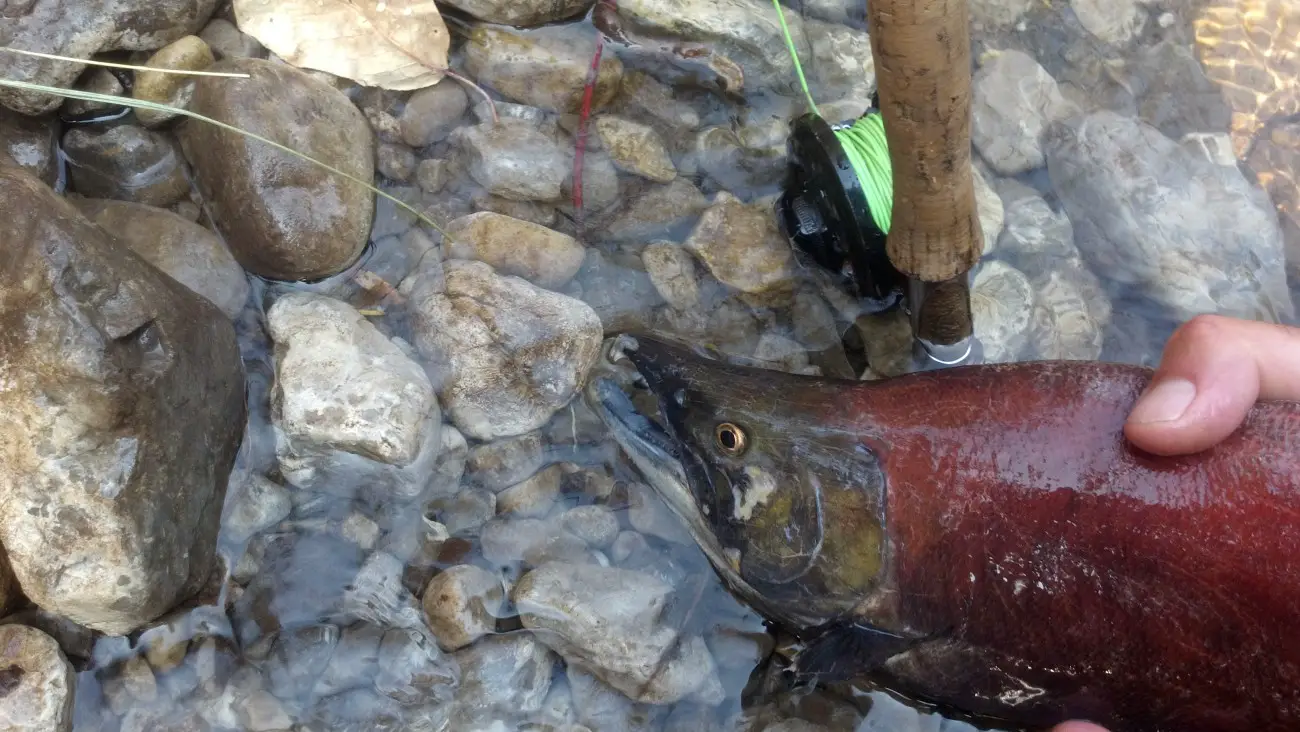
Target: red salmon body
1093, 580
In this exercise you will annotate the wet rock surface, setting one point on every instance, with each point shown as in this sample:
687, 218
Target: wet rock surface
137, 459
283, 217
509, 353
127, 163
577, 610
545, 68
79, 30
187, 252
30, 143
37, 682
544, 257
1197, 237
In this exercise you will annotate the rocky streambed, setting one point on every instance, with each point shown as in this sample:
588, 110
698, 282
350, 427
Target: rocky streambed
282, 456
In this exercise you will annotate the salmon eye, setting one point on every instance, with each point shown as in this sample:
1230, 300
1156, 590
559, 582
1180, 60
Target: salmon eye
730, 438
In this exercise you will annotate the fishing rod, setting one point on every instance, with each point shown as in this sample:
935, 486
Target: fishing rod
838, 202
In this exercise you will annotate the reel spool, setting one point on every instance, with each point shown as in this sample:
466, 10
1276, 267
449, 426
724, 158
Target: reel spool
823, 211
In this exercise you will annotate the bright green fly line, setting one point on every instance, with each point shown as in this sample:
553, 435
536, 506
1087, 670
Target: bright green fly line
864, 144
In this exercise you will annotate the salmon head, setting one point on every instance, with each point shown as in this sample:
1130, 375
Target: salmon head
764, 468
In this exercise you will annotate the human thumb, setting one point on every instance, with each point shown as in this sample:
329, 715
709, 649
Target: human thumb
1212, 372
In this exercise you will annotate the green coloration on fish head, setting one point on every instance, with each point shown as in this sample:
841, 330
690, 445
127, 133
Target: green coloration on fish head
787, 505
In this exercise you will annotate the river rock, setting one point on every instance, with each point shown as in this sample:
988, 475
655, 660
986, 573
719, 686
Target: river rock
608, 621
672, 270
461, 605
187, 252
647, 99
80, 29
540, 255
513, 159
30, 143
1002, 301
130, 391
1064, 324
346, 394
746, 31
655, 210
1112, 21
635, 148
997, 14
127, 163
742, 247
1194, 236
623, 296
544, 68
1015, 100
285, 218
602, 187
433, 112
37, 684
227, 41
413, 671
259, 505
989, 207
190, 53
530, 541
595, 524
533, 496
842, 63
598, 706
509, 353
502, 677
1035, 239
502, 463
522, 13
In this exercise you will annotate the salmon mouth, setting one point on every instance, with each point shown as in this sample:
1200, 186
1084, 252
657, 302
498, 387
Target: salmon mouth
665, 462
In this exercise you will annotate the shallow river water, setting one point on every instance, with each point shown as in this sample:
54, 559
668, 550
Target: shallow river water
357, 595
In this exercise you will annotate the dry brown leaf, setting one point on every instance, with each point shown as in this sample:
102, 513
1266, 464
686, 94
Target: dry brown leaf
391, 44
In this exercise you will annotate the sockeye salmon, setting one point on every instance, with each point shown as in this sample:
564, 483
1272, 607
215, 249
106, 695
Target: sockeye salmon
984, 538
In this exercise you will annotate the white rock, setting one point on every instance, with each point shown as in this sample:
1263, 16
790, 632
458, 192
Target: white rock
514, 160
1015, 100
510, 354
1194, 236
988, 204
257, 505
343, 385
1112, 21
37, 681
673, 271
1002, 301
608, 621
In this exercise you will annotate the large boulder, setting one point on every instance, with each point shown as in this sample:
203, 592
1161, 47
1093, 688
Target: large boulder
124, 400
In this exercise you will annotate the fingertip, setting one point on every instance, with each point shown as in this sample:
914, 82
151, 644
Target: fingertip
1199, 395
1078, 727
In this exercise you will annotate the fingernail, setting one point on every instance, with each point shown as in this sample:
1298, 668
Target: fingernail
1165, 402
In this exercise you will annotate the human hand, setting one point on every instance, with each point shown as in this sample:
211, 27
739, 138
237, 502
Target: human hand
1212, 371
